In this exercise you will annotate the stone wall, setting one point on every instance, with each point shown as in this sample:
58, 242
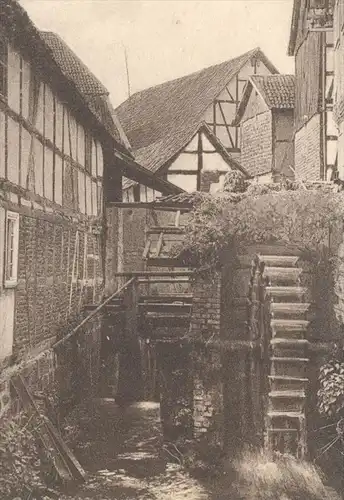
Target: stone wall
208, 385
308, 150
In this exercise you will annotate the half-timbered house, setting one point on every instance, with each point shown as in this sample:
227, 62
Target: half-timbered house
60, 145
312, 45
182, 131
266, 116
338, 18
172, 127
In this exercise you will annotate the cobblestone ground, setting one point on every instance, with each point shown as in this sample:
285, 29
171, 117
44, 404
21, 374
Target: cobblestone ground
123, 457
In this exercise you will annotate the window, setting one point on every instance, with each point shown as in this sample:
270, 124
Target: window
3, 68
11, 254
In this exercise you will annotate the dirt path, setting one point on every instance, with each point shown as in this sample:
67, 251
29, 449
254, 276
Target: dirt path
123, 457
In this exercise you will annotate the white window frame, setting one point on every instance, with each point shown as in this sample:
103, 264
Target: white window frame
12, 280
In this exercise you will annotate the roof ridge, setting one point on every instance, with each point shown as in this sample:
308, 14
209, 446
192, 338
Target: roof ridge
249, 52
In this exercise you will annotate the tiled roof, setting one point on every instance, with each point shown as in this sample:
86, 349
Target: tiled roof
278, 91
72, 66
93, 91
160, 120
232, 162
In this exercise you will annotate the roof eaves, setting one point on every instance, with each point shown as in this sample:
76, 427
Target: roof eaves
271, 67
138, 174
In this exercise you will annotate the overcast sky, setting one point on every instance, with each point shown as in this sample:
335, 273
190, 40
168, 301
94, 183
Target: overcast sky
164, 39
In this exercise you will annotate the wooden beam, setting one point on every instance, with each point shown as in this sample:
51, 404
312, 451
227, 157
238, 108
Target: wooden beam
227, 127
199, 161
182, 172
146, 250
159, 245
156, 274
165, 230
173, 207
97, 310
153, 281
177, 221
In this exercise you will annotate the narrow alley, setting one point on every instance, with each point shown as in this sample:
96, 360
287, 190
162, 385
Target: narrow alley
123, 455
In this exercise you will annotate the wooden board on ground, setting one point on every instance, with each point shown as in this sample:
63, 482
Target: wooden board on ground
66, 465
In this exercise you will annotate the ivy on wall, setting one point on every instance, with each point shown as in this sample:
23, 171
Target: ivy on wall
304, 216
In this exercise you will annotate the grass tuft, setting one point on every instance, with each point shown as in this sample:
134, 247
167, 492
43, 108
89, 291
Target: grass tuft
263, 476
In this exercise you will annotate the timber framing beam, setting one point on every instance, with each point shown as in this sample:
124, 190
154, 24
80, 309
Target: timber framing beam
155, 274
132, 170
175, 207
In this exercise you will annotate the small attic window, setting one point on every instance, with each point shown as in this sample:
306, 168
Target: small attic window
3, 67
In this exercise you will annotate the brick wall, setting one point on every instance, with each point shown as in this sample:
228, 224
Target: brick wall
57, 276
206, 321
256, 144
308, 150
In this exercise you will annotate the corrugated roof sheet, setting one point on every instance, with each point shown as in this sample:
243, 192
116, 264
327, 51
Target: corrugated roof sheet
159, 121
278, 91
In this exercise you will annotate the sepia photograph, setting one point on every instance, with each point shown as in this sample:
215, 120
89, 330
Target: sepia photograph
171, 249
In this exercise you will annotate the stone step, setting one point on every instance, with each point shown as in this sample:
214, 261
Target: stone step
288, 309
279, 260
282, 275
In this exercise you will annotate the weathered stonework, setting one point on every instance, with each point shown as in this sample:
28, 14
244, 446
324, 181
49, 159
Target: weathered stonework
208, 389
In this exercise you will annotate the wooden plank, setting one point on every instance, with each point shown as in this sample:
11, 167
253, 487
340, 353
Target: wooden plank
159, 206
177, 221
155, 274
93, 313
168, 297
165, 229
146, 249
163, 280
165, 262
159, 245
66, 466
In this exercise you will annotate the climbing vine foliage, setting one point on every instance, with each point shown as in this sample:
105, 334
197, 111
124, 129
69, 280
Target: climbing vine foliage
303, 216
